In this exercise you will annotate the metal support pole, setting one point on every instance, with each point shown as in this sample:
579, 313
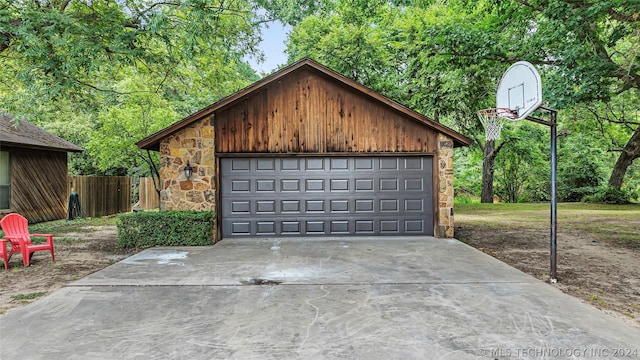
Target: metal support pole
554, 205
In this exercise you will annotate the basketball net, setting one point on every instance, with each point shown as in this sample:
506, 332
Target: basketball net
492, 120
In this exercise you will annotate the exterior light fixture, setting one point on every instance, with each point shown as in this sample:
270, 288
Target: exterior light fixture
188, 171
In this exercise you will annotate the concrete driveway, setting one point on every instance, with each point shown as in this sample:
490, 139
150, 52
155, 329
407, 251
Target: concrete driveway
362, 298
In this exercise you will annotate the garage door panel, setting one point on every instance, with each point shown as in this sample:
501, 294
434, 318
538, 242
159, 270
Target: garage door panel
266, 185
326, 196
413, 164
365, 227
338, 164
339, 185
414, 226
364, 205
314, 185
314, 206
242, 165
290, 164
268, 165
314, 227
266, 228
241, 207
413, 205
388, 184
414, 185
364, 164
291, 228
241, 228
290, 206
389, 205
389, 164
389, 227
314, 164
339, 227
364, 185
241, 186
266, 207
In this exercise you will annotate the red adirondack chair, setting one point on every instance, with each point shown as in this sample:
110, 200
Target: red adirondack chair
16, 230
3, 253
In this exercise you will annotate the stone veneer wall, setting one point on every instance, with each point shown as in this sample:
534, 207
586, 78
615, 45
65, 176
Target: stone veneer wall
445, 191
194, 144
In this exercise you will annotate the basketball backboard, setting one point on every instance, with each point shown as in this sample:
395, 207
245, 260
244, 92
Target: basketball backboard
520, 89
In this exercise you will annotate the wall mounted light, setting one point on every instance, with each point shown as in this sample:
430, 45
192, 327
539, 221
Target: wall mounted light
188, 170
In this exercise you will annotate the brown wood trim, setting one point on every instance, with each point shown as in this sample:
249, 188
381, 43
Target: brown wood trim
218, 207
330, 154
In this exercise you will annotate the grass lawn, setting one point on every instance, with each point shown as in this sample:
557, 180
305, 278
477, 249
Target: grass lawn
619, 224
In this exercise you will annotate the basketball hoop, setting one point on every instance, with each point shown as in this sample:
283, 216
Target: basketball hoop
492, 120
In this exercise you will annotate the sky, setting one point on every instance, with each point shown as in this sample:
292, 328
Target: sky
273, 48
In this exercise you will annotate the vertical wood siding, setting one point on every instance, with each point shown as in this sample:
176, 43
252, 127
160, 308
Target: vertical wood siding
38, 184
308, 113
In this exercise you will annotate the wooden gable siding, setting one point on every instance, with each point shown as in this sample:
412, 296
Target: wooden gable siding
39, 184
307, 113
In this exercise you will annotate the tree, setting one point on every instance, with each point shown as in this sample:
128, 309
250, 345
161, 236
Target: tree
71, 45
444, 59
614, 126
600, 59
411, 53
523, 164
108, 73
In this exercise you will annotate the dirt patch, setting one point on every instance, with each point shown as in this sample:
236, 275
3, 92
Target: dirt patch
600, 273
78, 254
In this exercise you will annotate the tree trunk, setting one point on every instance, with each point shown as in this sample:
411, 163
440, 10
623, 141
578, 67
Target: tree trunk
490, 152
487, 172
630, 152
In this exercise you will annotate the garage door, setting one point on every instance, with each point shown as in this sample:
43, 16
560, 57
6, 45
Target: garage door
326, 196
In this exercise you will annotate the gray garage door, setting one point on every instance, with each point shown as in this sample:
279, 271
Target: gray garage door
326, 196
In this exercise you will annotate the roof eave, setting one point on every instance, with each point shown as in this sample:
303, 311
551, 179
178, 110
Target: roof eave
76, 149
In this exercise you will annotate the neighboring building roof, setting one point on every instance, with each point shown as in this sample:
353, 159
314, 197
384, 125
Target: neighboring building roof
30, 136
152, 142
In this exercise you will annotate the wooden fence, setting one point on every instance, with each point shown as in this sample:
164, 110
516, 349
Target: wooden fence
149, 199
102, 195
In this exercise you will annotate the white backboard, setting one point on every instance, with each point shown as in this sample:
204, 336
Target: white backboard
520, 89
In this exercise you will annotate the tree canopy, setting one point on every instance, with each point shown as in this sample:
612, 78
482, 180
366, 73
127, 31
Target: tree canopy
108, 73
445, 59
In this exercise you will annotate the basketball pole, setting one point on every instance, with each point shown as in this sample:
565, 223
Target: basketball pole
553, 242
554, 205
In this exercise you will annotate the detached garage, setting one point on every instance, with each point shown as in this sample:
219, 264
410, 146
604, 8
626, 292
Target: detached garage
307, 151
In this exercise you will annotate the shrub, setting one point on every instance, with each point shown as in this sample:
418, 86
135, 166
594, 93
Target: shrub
464, 199
609, 195
573, 194
581, 169
165, 228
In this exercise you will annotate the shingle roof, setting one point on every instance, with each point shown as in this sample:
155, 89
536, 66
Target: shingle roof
31, 136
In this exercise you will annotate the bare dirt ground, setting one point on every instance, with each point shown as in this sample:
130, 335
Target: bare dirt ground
600, 273
603, 274
78, 254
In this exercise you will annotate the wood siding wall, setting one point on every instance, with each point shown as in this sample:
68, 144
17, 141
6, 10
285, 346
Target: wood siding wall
307, 113
38, 184
102, 195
